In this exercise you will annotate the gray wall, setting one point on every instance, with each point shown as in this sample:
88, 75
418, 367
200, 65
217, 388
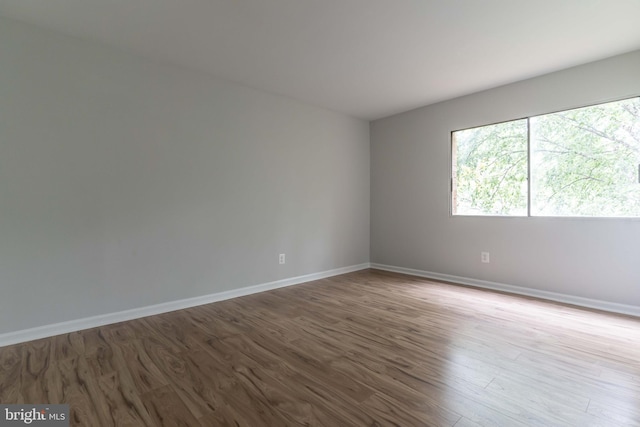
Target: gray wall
126, 183
410, 222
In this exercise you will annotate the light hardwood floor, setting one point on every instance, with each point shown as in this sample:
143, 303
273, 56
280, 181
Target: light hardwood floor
366, 348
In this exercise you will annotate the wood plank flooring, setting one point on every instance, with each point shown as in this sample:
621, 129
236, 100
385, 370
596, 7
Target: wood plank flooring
363, 349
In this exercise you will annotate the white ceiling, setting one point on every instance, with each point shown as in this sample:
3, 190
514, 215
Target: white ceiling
365, 58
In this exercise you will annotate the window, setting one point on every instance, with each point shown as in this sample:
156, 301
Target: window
580, 162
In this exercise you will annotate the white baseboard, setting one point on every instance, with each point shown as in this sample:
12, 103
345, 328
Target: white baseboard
613, 307
136, 313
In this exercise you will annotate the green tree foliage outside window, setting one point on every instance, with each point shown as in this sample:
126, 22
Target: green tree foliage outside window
583, 162
490, 169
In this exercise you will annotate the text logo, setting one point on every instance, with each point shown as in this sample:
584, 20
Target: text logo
34, 415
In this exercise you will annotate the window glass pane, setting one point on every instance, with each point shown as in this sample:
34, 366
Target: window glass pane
584, 162
490, 170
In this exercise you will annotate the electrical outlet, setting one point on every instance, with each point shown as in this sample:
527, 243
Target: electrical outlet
484, 257
281, 259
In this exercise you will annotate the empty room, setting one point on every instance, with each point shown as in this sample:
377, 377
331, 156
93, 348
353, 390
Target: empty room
319, 213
